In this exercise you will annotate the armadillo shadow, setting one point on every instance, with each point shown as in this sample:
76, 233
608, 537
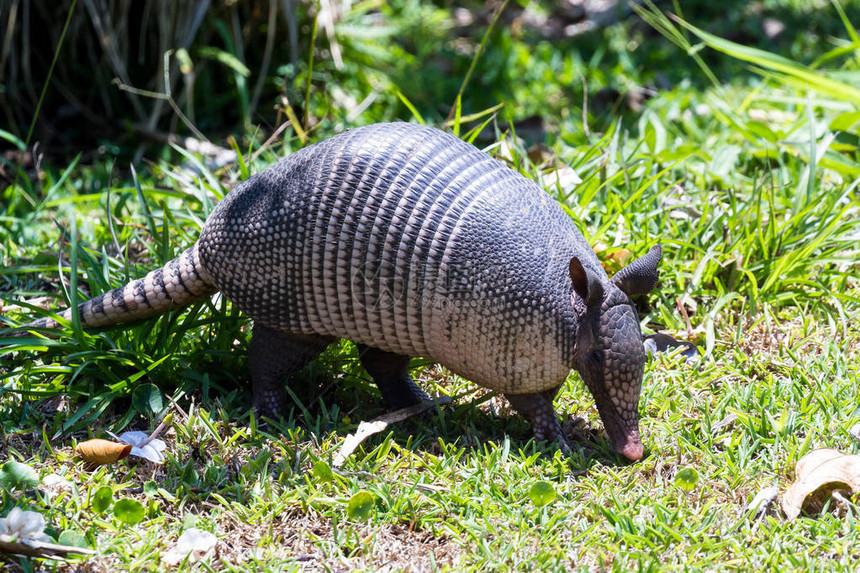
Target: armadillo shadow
338, 412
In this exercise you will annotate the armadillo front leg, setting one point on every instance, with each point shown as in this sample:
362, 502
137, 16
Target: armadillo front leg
274, 358
537, 409
391, 373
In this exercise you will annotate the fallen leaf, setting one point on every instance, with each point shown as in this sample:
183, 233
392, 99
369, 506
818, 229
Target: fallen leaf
659, 342
621, 257
612, 260
23, 533
730, 417
41, 549
101, 452
352, 441
817, 475
146, 446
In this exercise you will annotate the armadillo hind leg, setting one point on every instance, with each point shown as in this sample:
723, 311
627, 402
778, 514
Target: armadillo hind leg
276, 357
537, 409
390, 372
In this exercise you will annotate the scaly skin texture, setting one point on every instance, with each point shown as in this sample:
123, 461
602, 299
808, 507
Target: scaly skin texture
411, 242
610, 358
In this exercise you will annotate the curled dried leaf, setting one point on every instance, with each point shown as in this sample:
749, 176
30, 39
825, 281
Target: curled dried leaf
100, 452
620, 257
818, 475
612, 259
660, 342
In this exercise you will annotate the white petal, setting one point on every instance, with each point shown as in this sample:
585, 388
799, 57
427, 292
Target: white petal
14, 519
133, 438
148, 453
194, 539
33, 525
158, 445
22, 523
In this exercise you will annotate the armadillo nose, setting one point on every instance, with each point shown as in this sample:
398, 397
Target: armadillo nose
623, 433
628, 443
632, 449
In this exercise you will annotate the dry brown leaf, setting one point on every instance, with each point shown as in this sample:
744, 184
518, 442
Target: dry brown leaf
100, 452
613, 259
817, 475
621, 257
730, 418
352, 441
661, 342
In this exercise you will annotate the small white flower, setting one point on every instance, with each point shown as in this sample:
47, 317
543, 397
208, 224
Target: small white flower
24, 524
151, 449
194, 543
57, 483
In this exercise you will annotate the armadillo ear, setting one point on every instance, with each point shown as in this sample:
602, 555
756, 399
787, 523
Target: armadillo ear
586, 283
640, 276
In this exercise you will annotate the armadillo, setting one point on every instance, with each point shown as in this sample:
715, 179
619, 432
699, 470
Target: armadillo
411, 242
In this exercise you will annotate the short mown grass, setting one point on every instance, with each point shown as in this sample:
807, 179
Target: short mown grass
752, 188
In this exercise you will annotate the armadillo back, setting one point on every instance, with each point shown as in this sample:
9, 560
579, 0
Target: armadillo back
406, 239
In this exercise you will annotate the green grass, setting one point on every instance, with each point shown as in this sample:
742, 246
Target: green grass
750, 184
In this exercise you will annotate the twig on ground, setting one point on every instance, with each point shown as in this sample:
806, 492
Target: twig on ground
32, 548
367, 429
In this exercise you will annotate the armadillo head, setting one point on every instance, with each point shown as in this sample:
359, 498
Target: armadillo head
608, 353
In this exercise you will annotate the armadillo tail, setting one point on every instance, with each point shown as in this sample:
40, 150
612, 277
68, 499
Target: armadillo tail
179, 283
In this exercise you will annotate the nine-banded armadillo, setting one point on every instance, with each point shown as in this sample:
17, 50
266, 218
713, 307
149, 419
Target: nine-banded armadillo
411, 242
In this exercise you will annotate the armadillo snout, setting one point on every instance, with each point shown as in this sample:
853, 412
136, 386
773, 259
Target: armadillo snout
611, 360
625, 360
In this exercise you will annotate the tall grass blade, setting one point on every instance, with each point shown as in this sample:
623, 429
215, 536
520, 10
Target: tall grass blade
73, 276
849, 27
415, 113
475, 59
150, 222
657, 20
307, 102
767, 60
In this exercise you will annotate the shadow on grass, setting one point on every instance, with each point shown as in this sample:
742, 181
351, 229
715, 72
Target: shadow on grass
458, 424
